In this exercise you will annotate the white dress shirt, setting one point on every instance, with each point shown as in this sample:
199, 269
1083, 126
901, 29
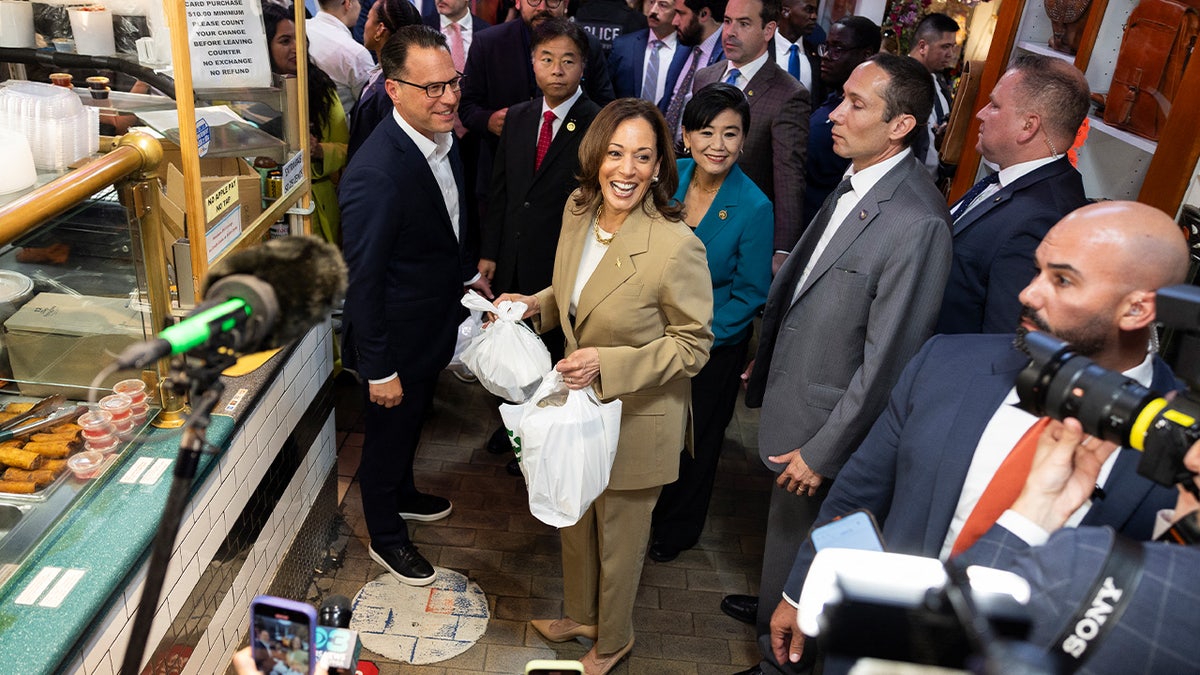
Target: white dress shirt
593, 253
464, 27
782, 47
666, 54
1008, 424
1007, 177
560, 111
344, 60
746, 72
708, 47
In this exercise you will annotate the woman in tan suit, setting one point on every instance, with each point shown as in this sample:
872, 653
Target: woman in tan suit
632, 294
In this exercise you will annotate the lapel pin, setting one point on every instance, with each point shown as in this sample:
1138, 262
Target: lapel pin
618, 262
570, 126
862, 215
749, 92
722, 214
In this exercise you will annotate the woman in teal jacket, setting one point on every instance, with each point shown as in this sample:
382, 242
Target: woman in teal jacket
735, 221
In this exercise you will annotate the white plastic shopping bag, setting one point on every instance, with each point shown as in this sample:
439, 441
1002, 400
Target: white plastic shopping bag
467, 330
565, 442
507, 357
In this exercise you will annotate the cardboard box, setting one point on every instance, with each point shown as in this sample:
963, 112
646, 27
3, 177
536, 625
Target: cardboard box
58, 343
215, 176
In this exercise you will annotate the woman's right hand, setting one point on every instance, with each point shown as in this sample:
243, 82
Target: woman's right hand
532, 305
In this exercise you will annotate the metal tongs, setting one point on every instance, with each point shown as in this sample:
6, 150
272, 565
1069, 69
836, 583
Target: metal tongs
59, 415
39, 409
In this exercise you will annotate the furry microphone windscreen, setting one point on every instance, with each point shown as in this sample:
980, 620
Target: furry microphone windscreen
307, 274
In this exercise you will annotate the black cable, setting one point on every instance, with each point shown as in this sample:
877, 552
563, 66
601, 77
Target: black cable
66, 60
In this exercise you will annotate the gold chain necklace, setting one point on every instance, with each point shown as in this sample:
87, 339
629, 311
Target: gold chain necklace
596, 227
704, 189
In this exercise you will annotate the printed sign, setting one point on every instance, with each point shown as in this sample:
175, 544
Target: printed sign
219, 201
203, 136
224, 233
228, 44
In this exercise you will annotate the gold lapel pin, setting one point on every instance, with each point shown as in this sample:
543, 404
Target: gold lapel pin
570, 126
722, 214
749, 92
618, 262
862, 215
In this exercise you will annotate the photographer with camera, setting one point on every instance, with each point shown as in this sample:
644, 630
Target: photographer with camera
933, 468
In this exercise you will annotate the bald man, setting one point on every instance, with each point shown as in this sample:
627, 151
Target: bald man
951, 419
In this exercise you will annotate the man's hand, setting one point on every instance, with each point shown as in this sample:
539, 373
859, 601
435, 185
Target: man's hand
243, 664
387, 394
496, 121
746, 375
487, 268
482, 285
796, 476
787, 642
777, 261
1063, 474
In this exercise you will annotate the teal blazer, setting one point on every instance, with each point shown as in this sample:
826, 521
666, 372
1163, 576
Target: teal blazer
737, 232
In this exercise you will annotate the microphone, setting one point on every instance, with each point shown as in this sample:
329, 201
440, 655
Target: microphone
335, 612
337, 646
260, 298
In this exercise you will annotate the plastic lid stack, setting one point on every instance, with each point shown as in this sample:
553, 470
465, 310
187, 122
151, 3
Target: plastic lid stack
60, 129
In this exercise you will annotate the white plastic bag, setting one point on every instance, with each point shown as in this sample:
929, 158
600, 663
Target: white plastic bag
467, 330
565, 442
507, 357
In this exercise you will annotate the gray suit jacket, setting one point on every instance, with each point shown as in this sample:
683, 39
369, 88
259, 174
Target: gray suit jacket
776, 143
827, 361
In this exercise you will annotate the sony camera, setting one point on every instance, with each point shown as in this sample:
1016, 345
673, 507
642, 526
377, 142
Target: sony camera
1059, 383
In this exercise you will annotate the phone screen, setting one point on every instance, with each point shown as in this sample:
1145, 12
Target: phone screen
280, 639
855, 530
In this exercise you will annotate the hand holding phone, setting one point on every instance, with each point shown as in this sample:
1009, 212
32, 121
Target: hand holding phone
856, 530
281, 636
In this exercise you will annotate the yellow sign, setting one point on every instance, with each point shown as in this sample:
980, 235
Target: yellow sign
219, 201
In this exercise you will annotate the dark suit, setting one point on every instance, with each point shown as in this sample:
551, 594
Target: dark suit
827, 359
434, 21
626, 65
1157, 632
910, 470
372, 106
773, 155
817, 91
407, 271
994, 244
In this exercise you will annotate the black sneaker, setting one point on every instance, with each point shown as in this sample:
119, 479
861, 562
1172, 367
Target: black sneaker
426, 508
498, 442
406, 564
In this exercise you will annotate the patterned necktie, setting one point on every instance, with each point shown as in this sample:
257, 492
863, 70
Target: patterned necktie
1002, 490
977, 189
734, 74
544, 138
650, 82
675, 110
794, 61
458, 51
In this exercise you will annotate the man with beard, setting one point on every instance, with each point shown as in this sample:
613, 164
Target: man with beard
698, 26
951, 423
852, 40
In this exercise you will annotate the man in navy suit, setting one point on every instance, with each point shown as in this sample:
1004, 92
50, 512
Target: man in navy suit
950, 421
646, 63
698, 27
1026, 129
405, 241
458, 12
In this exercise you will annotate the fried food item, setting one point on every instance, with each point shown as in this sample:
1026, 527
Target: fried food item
22, 459
18, 487
6, 416
66, 427
55, 466
40, 477
15, 443
51, 450
18, 408
69, 437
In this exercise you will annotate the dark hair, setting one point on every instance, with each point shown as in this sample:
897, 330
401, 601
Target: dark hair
594, 145
713, 100
555, 28
909, 91
1055, 90
771, 10
715, 7
321, 87
394, 55
396, 14
932, 26
863, 32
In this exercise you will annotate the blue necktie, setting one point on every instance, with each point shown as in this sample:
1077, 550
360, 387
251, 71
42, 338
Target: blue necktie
977, 189
794, 61
733, 76
650, 81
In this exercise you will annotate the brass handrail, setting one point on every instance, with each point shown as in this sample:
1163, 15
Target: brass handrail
133, 154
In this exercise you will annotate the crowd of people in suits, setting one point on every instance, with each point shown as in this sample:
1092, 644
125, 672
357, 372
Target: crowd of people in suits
694, 197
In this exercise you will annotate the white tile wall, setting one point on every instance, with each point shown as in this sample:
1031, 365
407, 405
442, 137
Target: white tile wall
212, 512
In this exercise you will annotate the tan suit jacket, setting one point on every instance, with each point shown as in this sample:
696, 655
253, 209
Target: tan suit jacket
648, 310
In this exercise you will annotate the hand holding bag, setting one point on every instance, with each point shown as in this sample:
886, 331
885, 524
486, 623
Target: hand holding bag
507, 357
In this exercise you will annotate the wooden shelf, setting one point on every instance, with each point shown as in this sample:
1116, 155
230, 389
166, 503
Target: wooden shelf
1098, 126
1044, 50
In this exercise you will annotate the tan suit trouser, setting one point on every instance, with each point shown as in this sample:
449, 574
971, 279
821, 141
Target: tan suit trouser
602, 563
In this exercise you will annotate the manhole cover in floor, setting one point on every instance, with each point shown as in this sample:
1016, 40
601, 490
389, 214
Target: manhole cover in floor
420, 625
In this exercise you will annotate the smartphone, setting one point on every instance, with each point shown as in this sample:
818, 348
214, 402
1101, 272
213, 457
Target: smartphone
547, 667
857, 530
281, 635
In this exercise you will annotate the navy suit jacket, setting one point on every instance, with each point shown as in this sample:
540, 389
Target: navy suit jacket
434, 21
910, 470
407, 269
1156, 634
626, 64
994, 244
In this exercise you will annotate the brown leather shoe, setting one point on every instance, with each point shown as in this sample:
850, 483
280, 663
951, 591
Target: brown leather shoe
561, 630
595, 664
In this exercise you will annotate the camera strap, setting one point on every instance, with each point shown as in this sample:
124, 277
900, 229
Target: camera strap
1102, 607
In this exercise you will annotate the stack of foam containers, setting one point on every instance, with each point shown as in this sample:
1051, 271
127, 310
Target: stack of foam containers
60, 129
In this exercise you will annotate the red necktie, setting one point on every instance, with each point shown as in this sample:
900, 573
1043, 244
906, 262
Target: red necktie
1003, 489
544, 137
458, 52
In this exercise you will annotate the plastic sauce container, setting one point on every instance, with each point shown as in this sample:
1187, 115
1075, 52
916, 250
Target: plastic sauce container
86, 465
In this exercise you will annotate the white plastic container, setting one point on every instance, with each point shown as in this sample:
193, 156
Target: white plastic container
93, 30
16, 23
19, 172
60, 130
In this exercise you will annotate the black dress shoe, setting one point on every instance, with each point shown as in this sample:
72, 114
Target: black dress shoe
753, 670
513, 467
499, 444
661, 551
744, 608
426, 508
406, 564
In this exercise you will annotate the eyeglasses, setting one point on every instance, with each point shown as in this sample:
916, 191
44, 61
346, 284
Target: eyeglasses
435, 89
550, 4
828, 51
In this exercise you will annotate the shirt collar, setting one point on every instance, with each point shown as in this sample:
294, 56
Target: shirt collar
563, 108
867, 178
464, 24
433, 150
749, 70
710, 45
668, 42
327, 18
1012, 173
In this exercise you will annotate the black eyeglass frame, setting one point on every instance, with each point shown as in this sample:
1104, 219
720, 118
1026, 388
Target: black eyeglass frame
455, 85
